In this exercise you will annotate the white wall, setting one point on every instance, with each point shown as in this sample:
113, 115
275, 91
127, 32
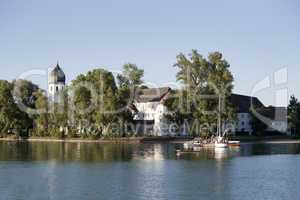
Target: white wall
153, 111
52, 89
147, 111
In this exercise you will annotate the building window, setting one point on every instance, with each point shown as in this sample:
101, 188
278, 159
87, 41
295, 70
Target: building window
56, 88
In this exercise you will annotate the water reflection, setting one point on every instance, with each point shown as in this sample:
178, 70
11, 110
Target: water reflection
94, 152
147, 171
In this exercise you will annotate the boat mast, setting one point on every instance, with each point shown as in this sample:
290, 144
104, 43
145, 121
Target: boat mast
219, 132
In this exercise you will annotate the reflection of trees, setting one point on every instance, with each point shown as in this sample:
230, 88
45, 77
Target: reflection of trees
87, 152
84, 152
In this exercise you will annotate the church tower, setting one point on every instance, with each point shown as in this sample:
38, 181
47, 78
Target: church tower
56, 82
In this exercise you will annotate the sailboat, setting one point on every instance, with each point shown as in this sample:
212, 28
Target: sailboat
220, 142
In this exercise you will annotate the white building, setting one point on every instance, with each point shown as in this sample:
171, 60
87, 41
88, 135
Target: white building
275, 118
150, 110
56, 82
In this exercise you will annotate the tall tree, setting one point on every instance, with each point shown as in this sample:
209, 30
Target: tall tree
97, 91
23, 92
131, 75
221, 81
129, 81
41, 120
204, 80
11, 117
294, 115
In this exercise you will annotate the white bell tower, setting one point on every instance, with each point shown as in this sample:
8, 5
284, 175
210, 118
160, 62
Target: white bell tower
56, 82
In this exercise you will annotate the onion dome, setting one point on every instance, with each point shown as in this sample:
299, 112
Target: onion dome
57, 75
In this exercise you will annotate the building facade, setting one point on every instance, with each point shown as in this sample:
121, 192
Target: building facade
150, 114
242, 105
150, 111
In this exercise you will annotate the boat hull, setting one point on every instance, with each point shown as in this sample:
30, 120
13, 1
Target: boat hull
221, 145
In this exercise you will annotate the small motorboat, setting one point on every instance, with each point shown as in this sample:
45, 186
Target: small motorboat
234, 143
197, 143
192, 144
221, 145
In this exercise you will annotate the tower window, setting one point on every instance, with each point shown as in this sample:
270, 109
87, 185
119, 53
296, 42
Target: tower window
56, 88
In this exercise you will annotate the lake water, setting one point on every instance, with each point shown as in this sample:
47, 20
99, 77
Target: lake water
79, 171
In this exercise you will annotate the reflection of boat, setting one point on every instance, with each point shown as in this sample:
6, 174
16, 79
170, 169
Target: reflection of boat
221, 145
196, 148
188, 145
221, 153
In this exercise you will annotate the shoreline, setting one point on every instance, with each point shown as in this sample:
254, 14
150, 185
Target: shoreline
73, 140
150, 140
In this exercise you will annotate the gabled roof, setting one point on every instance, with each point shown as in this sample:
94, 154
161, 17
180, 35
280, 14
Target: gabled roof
243, 103
152, 94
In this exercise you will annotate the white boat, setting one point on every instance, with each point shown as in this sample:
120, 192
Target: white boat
197, 144
221, 145
191, 145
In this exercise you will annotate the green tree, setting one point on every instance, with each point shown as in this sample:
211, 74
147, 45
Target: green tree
23, 92
41, 119
59, 115
129, 82
97, 91
294, 115
204, 80
221, 81
12, 119
131, 75
129, 85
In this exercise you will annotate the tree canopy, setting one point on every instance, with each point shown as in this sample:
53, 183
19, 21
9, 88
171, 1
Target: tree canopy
294, 115
204, 81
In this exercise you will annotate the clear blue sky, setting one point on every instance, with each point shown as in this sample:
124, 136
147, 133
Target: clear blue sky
257, 37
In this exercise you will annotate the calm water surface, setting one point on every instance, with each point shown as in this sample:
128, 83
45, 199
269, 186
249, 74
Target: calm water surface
79, 171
